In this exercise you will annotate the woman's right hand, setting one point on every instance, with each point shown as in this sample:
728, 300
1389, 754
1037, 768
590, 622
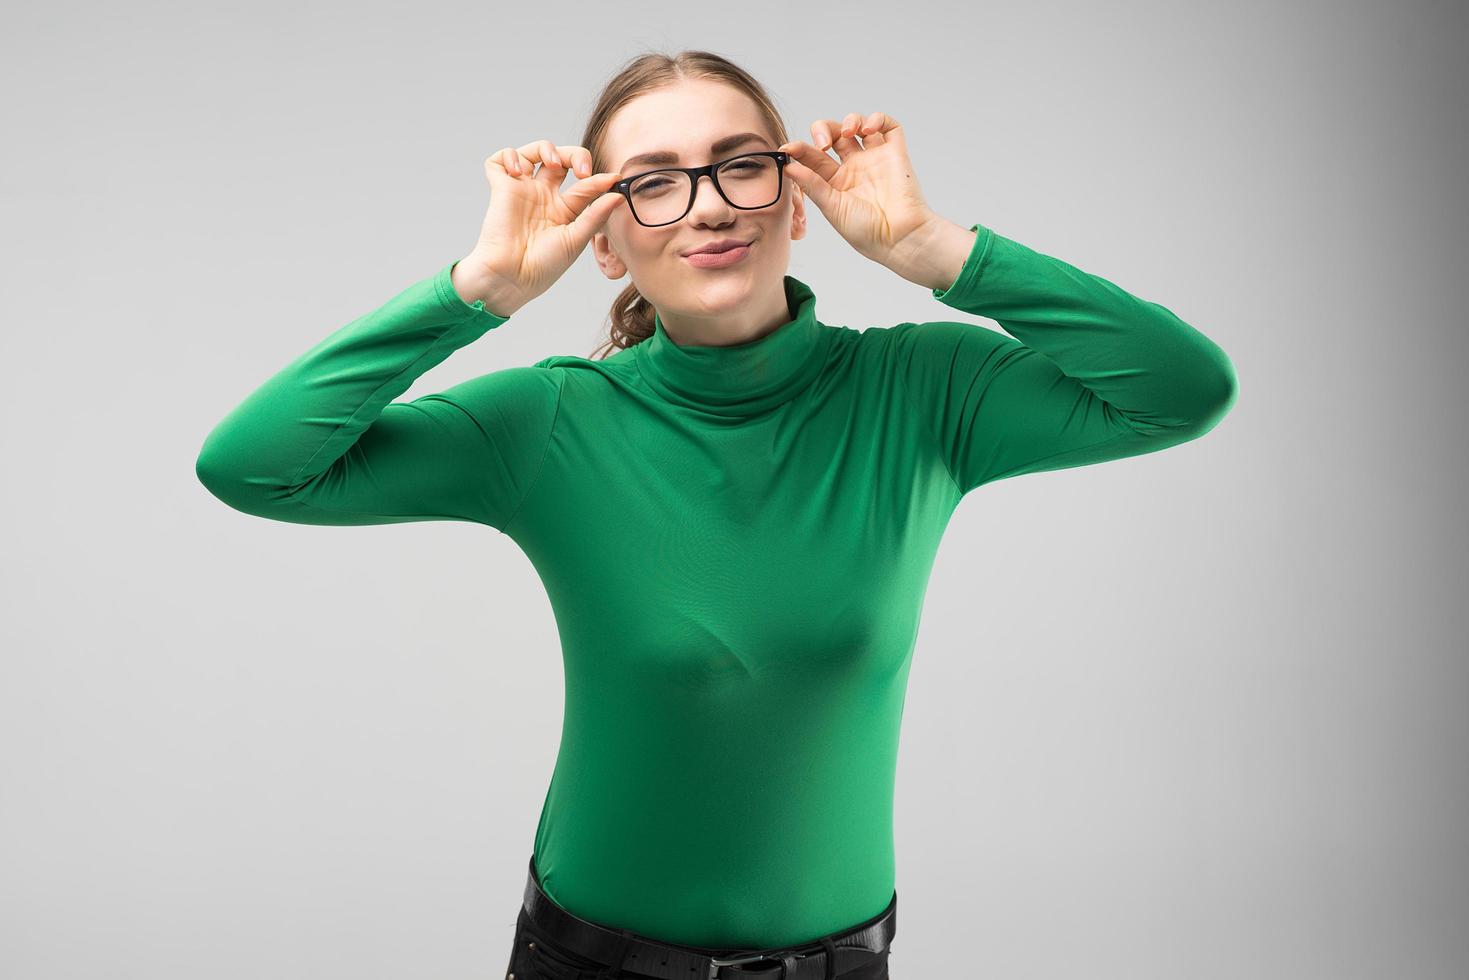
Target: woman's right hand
533, 230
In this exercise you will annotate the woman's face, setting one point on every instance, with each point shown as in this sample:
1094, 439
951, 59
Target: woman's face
686, 119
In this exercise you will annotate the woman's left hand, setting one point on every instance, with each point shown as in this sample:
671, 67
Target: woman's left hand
871, 197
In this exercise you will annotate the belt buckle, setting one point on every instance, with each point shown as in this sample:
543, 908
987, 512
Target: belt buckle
715, 962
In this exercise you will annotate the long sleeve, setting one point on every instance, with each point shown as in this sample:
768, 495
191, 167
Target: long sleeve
323, 442
1091, 373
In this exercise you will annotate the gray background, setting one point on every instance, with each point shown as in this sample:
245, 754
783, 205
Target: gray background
1197, 714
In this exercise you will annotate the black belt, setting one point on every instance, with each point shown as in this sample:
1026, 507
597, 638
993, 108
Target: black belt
820, 959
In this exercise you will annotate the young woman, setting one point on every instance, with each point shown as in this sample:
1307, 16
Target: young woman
735, 513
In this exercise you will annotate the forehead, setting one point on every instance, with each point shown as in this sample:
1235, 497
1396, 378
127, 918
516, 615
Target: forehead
683, 119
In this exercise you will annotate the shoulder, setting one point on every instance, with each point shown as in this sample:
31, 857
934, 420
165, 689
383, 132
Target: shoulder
615, 362
935, 343
571, 369
517, 395
528, 382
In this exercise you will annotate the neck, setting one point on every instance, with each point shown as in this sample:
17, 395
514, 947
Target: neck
749, 322
742, 377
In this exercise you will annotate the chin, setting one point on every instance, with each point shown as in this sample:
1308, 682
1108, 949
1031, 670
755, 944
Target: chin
722, 290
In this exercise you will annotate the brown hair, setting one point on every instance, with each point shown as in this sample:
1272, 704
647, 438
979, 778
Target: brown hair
631, 318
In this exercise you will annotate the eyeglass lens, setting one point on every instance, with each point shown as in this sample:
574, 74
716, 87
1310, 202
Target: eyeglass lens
663, 196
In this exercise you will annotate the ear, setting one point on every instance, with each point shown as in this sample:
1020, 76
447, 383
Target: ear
798, 213
607, 260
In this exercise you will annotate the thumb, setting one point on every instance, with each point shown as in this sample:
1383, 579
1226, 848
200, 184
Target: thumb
813, 184
593, 217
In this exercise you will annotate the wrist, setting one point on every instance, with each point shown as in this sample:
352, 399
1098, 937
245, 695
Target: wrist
938, 255
473, 284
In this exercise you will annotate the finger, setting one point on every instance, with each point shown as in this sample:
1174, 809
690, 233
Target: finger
823, 132
877, 128
851, 122
553, 168
533, 153
498, 163
587, 192
812, 158
845, 142
594, 205
506, 161
812, 183
578, 158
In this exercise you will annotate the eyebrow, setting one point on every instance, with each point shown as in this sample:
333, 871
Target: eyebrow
665, 156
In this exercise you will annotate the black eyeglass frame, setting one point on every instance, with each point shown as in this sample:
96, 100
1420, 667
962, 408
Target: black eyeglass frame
624, 186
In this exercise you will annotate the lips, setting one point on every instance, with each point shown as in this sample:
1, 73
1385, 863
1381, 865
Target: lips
724, 245
729, 258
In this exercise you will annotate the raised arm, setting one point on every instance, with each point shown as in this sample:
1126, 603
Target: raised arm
1091, 373
323, 442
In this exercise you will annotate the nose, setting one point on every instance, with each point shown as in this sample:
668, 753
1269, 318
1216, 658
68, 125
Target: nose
707, 199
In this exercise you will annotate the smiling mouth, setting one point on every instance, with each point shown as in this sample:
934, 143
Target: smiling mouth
719, 260
717, 251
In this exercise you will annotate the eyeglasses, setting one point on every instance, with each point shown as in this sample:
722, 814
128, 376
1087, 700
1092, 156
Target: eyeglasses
750, 181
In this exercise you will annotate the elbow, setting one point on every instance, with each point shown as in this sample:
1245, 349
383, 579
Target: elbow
1222, 393
223, 476
1212, 392
1195, 409
1212, 387
220, 478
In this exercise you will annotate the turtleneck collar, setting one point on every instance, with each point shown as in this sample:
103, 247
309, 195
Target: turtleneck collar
743, 379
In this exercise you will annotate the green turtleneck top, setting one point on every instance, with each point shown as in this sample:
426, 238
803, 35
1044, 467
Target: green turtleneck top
735, 542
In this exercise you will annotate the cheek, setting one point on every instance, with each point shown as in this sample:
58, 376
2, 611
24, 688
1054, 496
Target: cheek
633, 243
779, 218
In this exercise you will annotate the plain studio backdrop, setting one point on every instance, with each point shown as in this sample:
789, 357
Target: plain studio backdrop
1193, 714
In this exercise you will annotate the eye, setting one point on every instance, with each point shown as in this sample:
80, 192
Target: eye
652, 185
749, 167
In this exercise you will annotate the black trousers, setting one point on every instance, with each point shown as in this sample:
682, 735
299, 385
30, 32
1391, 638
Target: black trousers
536, 955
